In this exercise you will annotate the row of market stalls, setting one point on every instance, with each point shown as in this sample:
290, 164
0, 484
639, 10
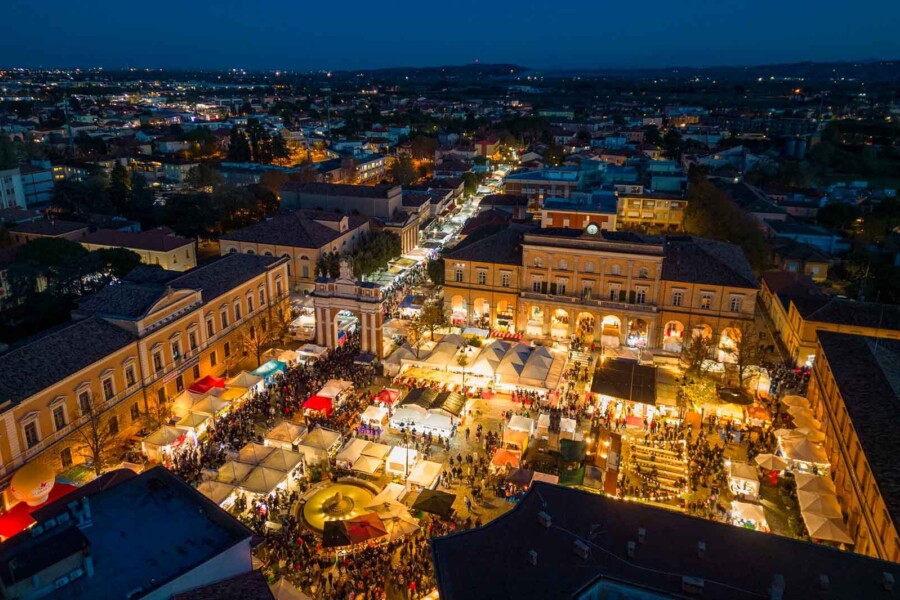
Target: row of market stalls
426, 410
196, 408
499, 363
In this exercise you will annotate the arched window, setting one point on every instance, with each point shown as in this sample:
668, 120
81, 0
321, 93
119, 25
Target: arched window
563, 264
644, 273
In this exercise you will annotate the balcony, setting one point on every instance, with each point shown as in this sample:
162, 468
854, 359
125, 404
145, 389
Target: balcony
590, 302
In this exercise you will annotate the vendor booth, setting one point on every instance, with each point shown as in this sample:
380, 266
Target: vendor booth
335, 389
367, 465
401, 461
253, 453
285, 435
319, 444
627, 389
505, 458
288, 357
520, 423
214, 406
387, 397
205, 384
538, 476
425, 474
284, 461
163, 440
222, 494
311, 352
375, 417
814, 483
248, 381
183, 402
749, 516
805, 455
233, 472
826, 528
318, 405
194, 423
269, 370
392, 492
743, 480
351, 451
262, 480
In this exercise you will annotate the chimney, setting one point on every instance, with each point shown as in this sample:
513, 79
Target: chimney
544, 519
642, 535
630, 548
581, 549
532, 558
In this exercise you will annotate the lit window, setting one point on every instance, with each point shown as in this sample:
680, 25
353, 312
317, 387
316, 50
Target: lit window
482, 277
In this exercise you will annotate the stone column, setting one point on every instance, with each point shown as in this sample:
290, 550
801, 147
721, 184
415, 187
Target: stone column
364, 331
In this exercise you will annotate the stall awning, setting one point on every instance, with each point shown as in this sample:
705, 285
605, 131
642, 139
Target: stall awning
233, 393
204, 384
319, 404
387, 396
334, 388
507, 458
270, 368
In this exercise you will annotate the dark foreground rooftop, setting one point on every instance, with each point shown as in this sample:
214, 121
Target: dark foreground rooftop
494, 561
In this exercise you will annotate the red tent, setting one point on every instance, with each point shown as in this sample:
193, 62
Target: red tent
201, 386
19, 517
387, 396
365, 527
319, 404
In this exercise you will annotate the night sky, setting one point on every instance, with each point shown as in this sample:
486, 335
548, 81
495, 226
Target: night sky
347, 34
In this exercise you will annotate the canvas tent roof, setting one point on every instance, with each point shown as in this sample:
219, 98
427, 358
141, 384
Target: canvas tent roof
352, 450
164, 436
216, 491
374, 414
740, 470
376, 450
254, 454
424, 473
391, 492
233, 472
814, 483
286, 432
261, 480
320, 438
443, 354
210, 405
367, 465
334, 388
513, 363
186, 399
520, 423
282, 460
825, 505
245, 380
803, 450
489, 358
312, 350
537, 367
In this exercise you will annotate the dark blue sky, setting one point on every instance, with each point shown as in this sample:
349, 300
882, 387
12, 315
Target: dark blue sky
337, 34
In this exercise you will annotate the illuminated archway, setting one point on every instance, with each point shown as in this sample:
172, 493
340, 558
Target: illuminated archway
481, 313
611, 331
673, 336
729, 344
559, 324
506, 319
584, 326
459, 310
638, 333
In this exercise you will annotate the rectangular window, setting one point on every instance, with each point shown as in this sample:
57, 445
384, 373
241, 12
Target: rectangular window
192, 340
278, 288
213, 360
482, 277
84, 402
161, 395
504, 280
129, 376
31, 435
176, 351
59, 417
65, 458
250, 302
237, 311
705, 300
640, 295
108, 391
135, 412
262, 298
677, 298
179, 383
561, 286
210, 328
736, 304
305, 270
157, 361
113, 425
224, 316
196, 372
459, 275
536, 285
227, 349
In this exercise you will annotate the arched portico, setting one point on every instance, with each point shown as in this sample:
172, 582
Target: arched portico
344, 294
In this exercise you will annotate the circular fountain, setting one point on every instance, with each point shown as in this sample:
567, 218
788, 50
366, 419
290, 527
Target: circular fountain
336, 502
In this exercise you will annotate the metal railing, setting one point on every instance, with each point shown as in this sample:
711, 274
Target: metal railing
590, 302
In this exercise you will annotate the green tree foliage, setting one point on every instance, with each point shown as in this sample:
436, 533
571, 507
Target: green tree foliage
9, 157
402, 171
837, 215
254, 143
203, 177
433, 316
554, 155
120, 188
435, 269
374, 250
710, 213
328, 264
423, 147
470, 182
652, 135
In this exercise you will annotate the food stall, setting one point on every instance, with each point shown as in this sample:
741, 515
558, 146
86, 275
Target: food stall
319, 444
375, 416
248, 381
161, 441
269, 370
387, 397
285, 435
743, 480
520, 423
425, 474
318, 405
311, 352
222, 494
401, 461
749, 516
336, 389
206, 384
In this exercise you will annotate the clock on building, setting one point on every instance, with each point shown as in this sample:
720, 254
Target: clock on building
592, 228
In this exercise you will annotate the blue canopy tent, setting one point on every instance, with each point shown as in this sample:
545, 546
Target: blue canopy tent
270, 369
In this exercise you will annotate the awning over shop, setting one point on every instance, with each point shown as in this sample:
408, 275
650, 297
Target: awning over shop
387, 396
507, 458
211, 405
425, 473
216, 491
205, 384
334, 388
624, 379
319, 404
435, 502
285, 435
351, 451
193, 421
246, 380
164, 436
825, 505
269, 369
814, 483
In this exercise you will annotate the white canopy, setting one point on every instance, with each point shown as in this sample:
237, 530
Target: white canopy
556, 371
285, 590
567, 425
814, 483
443, 355
825, 505
210, 405
802, 450
749, 512
262, 480
185, 400
793, 400
334, 388
216, 491
425, 473
233, 472
193, 421
408, 416
391, 493
401, 460
537, 367
374, 414
367, 465
488, 360
439, 424
316, 445
824, 528
288, 356
745, 471
285, 435
312, 350
254, 454
247, 380
801, 412
513, 363
351, 451
520, 423
807, 423
283, 460
164, 436
376, 450
396, 360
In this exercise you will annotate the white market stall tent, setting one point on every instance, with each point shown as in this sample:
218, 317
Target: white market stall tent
311, 352
160, 441
537, 367
425, 474
401, 460
193, 422
335, 388
814, 483
805, 454
392, 492
233, 472
285, 461
285, 435
375, 416
488, 360
318, 445
183, 402
248, 381
351, 451
220, 493
262, 480
368, 465
751, 516
744, 480
211, 405
253, 453
520, 423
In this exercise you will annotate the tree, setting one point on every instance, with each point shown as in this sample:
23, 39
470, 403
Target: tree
204, 177
256, 337
746, 348
695, 351
99, 434
273, 180
9, 157
239, 147
470, 183
433, 316
328, 264
837, 215
116, 263
435, 269
651, 135
120, 188
554, 155
402, 171
158, 411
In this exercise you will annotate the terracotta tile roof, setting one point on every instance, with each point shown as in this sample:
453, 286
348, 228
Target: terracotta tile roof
154, 240
298, 229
